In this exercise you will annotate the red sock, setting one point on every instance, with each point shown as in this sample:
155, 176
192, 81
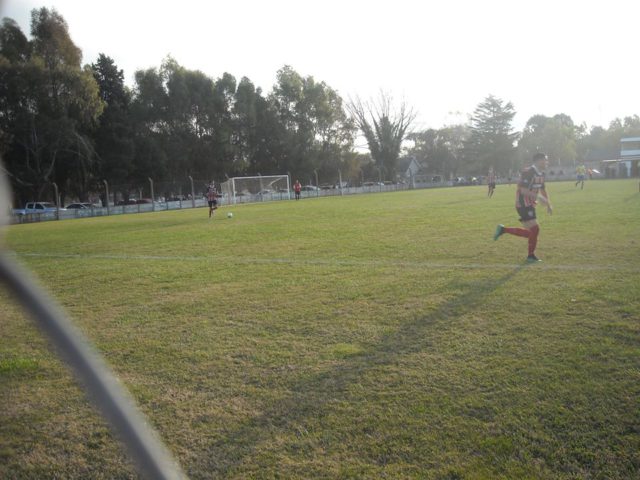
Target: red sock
519, 232
533, 239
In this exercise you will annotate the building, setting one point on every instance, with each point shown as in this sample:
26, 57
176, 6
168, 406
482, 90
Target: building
628, 165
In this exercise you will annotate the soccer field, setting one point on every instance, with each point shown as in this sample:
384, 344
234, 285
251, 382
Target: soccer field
372, 336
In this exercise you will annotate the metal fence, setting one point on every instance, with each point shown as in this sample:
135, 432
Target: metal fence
129, 198
126, 199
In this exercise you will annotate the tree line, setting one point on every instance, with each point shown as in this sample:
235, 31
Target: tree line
77, 125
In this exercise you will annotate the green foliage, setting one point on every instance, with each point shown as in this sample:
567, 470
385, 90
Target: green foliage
442, 151
114, 136
384, 129
492, 140
14, 46
48, 103
556, 136
313, 126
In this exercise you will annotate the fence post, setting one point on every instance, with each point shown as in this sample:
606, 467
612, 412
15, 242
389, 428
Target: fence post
55, 190
193, 193
106, 186
153, 203
315, 172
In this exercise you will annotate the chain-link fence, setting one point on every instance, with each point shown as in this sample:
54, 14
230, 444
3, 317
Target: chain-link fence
153, 196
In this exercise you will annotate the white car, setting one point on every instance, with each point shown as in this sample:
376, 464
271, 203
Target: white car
37, 207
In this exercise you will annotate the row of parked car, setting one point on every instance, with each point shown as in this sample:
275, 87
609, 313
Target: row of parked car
49, 207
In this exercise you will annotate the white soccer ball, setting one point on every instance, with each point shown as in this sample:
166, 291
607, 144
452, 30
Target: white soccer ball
229, 215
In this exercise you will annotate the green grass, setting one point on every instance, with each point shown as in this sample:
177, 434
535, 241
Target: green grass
374, 336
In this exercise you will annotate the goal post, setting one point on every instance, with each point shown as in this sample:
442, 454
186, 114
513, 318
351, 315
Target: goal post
256, 189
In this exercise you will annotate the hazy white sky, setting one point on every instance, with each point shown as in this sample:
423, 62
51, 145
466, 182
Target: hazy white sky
442, 57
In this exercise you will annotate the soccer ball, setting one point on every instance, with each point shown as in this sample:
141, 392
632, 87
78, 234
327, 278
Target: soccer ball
229, 215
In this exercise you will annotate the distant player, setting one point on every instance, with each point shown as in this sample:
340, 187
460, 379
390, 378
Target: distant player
212, 198
491, 180
297, 188
581, 172
530, 189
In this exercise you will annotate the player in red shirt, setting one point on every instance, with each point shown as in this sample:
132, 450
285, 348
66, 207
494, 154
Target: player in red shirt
530, 190
297, 188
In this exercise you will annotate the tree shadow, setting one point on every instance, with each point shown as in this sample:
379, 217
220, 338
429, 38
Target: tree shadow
309, 395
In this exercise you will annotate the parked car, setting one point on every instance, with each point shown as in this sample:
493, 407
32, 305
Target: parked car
37, 207
81, 206
459, 181
309, 188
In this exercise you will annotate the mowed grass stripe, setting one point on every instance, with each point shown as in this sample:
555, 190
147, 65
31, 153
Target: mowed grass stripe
333, 263
375, 336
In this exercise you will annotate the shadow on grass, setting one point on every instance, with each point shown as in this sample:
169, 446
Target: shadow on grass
309, 395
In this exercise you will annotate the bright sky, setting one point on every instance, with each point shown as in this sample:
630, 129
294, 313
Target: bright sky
443, 57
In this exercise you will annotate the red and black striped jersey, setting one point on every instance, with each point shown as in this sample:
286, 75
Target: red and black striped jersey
531, 182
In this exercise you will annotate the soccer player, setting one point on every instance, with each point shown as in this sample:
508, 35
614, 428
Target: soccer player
581, 171
297, 188
530, 190
212, 198
491, 180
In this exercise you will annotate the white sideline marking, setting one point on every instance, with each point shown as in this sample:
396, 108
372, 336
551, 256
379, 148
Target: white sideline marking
328, 263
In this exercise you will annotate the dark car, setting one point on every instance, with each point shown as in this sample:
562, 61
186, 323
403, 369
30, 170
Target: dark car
81, 206
131, 201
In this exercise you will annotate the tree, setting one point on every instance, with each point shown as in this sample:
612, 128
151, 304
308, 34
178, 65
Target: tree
47, 101
556, 136
14, 46
114, 135
441, 151
311, 129
491, 142
384, 129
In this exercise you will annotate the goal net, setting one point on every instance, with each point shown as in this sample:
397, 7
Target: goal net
256, 189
